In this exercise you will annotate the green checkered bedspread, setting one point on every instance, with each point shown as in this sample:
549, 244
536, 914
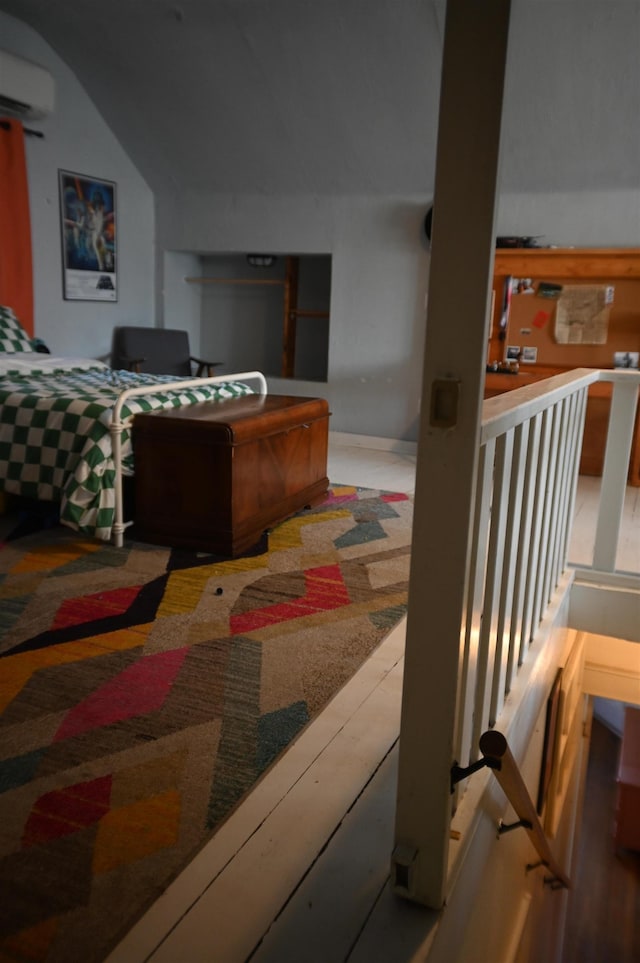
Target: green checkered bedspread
55, 443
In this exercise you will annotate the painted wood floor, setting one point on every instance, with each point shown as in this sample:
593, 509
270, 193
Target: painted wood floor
272, 886
603, 916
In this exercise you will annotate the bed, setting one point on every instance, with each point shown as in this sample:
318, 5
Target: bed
65, 426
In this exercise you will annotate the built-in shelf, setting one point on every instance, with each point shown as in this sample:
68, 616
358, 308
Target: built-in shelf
530, 324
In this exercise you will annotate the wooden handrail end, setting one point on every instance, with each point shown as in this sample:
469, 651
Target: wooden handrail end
493, 744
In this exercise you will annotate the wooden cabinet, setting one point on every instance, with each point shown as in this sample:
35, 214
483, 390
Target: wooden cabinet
213, 477
531, 317
530, 324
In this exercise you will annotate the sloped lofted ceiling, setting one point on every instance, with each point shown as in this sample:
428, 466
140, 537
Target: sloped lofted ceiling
273, 96
324, 97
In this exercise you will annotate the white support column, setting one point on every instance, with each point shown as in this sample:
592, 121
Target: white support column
614, 473
463, 243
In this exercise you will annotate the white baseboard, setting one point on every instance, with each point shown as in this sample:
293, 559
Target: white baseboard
371, 441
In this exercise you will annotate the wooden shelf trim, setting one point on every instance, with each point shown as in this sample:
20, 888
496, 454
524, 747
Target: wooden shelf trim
546, 263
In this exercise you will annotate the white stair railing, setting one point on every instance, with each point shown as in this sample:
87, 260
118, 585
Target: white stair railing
529, 457
528, 466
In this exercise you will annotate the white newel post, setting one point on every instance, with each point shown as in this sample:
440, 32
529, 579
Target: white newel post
461, 269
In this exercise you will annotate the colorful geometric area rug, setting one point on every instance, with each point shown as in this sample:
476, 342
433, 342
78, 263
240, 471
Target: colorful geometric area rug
144, 690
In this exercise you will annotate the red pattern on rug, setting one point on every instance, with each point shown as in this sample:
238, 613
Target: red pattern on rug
89, 608
325, 591
67, 810
140, 689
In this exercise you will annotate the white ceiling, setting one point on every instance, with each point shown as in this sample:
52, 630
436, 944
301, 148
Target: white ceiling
321, 97
274, 96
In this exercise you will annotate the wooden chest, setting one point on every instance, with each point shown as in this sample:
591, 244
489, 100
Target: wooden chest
213, 477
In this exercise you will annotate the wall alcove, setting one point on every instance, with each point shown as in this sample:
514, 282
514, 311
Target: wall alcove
269, 312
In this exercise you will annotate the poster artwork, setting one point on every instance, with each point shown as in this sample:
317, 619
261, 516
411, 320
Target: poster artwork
88, 219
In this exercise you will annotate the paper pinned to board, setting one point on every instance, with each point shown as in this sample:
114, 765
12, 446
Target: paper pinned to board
582, 313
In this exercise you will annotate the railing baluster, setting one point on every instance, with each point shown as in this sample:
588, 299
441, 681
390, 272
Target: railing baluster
540, 601
467, 677
576, 446
499, 576
513, 548
533, 574
555, 507
556, 561
518, 639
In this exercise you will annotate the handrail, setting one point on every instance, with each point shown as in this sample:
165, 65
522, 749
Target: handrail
513, 407
498, 757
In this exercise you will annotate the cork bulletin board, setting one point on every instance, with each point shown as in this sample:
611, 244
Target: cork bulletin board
572, 323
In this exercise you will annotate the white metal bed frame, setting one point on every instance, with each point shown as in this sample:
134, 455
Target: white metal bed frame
118, 425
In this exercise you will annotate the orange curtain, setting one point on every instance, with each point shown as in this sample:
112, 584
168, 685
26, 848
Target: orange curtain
16, 270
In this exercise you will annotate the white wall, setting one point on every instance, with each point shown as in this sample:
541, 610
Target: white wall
604, 218
77, 139
242, 326
378, 285
380, 263
610, 713
181, 301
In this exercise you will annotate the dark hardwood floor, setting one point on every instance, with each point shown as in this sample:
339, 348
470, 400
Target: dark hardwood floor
603, 923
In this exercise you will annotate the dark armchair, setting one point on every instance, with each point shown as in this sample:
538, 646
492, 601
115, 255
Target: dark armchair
157, 351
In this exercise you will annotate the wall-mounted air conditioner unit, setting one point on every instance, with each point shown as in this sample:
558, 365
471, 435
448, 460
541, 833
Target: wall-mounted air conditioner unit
26, 90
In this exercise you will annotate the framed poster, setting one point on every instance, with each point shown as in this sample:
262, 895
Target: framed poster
88, 222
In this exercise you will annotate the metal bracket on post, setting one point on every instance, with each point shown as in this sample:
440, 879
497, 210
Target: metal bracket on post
458, 773
507, 827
